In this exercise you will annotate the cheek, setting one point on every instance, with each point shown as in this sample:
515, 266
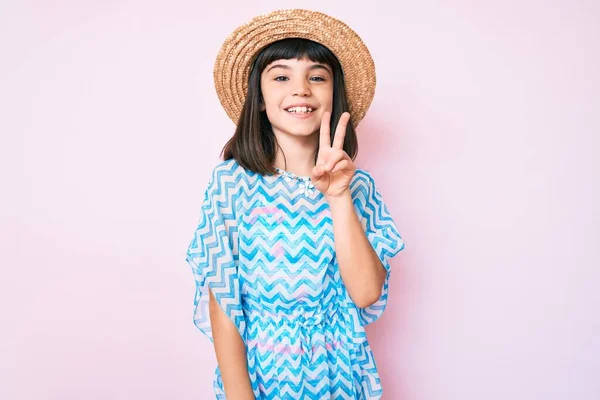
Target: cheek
271, 107
271, 98
326, 96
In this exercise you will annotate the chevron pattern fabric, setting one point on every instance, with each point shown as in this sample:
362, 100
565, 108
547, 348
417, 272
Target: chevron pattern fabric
266, 250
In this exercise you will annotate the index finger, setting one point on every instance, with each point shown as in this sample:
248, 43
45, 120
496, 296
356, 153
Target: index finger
324, 139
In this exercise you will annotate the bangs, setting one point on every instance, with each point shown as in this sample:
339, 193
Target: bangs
297, 48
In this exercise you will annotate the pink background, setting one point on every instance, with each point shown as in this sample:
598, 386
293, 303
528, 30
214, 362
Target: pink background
483, 138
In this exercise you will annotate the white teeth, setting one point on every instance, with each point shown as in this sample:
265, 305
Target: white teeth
301, 110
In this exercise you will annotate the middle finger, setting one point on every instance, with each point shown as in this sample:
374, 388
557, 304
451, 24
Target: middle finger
340, 131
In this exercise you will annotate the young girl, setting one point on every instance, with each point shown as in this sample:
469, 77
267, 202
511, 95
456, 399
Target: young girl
291, 252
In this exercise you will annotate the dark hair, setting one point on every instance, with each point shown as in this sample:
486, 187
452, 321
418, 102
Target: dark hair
254, 144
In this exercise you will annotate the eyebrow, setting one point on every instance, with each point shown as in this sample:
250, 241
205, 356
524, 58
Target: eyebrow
287, 67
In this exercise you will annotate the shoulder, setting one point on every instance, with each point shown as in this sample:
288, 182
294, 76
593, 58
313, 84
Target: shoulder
364, 191
226, 171
361, 183
224, 180
228, 167
362, 175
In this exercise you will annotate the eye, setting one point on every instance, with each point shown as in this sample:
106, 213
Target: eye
319, 79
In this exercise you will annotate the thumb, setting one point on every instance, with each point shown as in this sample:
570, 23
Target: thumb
318, 171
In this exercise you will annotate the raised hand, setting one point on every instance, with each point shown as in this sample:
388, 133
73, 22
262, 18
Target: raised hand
334, 169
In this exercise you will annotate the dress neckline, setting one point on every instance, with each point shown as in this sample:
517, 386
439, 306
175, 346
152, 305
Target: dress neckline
292, 175
302, 183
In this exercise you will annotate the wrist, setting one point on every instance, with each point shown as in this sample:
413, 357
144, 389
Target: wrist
339, 200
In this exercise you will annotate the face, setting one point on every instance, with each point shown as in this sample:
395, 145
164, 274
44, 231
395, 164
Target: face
286, 83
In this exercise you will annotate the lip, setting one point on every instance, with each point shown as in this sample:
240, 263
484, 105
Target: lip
300, 105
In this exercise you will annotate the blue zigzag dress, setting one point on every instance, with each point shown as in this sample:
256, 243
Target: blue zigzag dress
264, 244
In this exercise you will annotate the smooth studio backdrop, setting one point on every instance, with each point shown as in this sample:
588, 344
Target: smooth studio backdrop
483, 138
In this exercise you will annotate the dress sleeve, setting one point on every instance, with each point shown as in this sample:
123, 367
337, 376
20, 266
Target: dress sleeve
213, 253
383, 235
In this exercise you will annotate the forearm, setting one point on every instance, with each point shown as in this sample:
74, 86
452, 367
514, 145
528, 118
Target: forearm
231, 354
360, 267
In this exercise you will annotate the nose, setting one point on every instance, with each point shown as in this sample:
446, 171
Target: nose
301, 88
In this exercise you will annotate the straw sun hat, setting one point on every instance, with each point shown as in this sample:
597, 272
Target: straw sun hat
240, 48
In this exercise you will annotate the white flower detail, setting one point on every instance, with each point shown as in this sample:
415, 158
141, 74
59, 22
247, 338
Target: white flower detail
288, 176
306, 186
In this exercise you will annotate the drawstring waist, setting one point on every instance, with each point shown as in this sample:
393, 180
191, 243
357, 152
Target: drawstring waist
302, 326
304, 319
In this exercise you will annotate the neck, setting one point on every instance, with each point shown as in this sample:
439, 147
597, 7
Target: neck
299, 153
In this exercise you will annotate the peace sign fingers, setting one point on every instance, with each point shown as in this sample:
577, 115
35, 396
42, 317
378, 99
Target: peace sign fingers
340, 131
334, 169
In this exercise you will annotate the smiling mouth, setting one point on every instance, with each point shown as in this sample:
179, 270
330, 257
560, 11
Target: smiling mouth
300, 110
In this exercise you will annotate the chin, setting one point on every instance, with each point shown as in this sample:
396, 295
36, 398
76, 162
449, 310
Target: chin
302, 133
298, 130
